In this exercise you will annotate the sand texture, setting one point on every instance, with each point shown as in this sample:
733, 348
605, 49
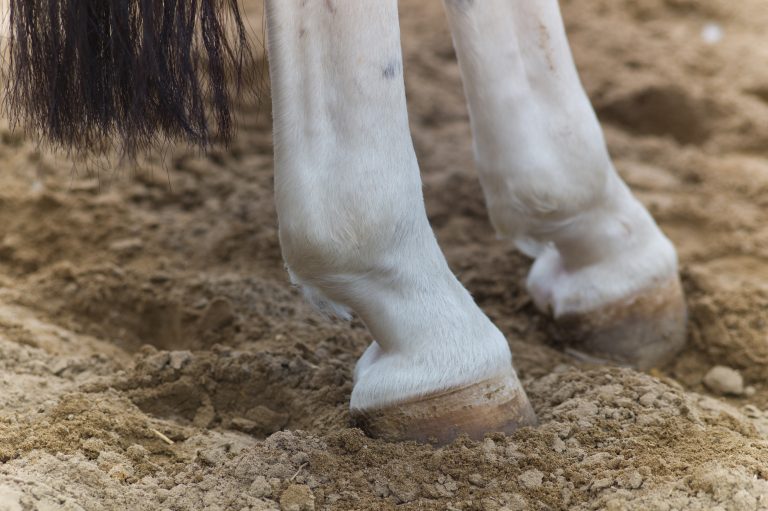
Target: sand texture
153, 355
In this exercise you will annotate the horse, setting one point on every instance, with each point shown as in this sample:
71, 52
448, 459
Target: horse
87, 74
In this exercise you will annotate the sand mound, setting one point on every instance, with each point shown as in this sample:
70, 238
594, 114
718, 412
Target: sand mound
154, 356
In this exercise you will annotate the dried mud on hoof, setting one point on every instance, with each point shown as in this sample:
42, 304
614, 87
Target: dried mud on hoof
154, 356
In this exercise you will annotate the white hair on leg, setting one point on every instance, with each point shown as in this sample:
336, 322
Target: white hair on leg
355, 234
319, 301
603, 267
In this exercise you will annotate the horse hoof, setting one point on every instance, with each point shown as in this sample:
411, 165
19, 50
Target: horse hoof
496, 405
643, 331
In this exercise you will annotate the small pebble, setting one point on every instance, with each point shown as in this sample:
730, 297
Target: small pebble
59, 365
531, 478
602, 483
712, 33
648, 399
260, 487
177, 359
127, 245
724, 380
476, 479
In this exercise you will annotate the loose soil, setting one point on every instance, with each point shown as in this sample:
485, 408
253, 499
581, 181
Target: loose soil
153, 354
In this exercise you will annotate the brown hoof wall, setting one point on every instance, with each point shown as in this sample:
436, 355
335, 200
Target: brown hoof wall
644, 331
497, 405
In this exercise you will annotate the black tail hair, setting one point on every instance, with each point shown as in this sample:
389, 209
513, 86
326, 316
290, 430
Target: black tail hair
84, 73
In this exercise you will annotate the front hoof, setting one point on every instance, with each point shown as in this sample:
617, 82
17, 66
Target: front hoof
495, 405
643, 331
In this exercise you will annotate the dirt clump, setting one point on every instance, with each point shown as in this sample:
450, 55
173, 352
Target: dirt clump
153, 354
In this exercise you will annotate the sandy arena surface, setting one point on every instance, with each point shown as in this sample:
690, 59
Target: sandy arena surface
153, 355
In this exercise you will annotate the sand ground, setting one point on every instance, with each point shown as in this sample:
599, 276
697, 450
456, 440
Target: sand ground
154, 357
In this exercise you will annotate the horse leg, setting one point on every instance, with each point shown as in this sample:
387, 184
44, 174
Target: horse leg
355, 235
602, 267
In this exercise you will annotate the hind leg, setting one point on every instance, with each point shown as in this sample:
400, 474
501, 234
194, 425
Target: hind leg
355, 234
602, 267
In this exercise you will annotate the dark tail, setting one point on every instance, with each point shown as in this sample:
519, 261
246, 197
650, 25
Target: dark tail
84, 74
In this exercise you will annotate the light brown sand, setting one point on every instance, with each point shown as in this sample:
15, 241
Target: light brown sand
134, 312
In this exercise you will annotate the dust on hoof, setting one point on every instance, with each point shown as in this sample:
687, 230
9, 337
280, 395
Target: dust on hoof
643, 331
495, 405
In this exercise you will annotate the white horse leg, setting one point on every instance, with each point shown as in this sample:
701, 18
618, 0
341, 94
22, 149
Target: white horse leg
5, 18
603, 268
354, 232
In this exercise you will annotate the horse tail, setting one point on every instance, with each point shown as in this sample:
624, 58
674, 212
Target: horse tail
85, 75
